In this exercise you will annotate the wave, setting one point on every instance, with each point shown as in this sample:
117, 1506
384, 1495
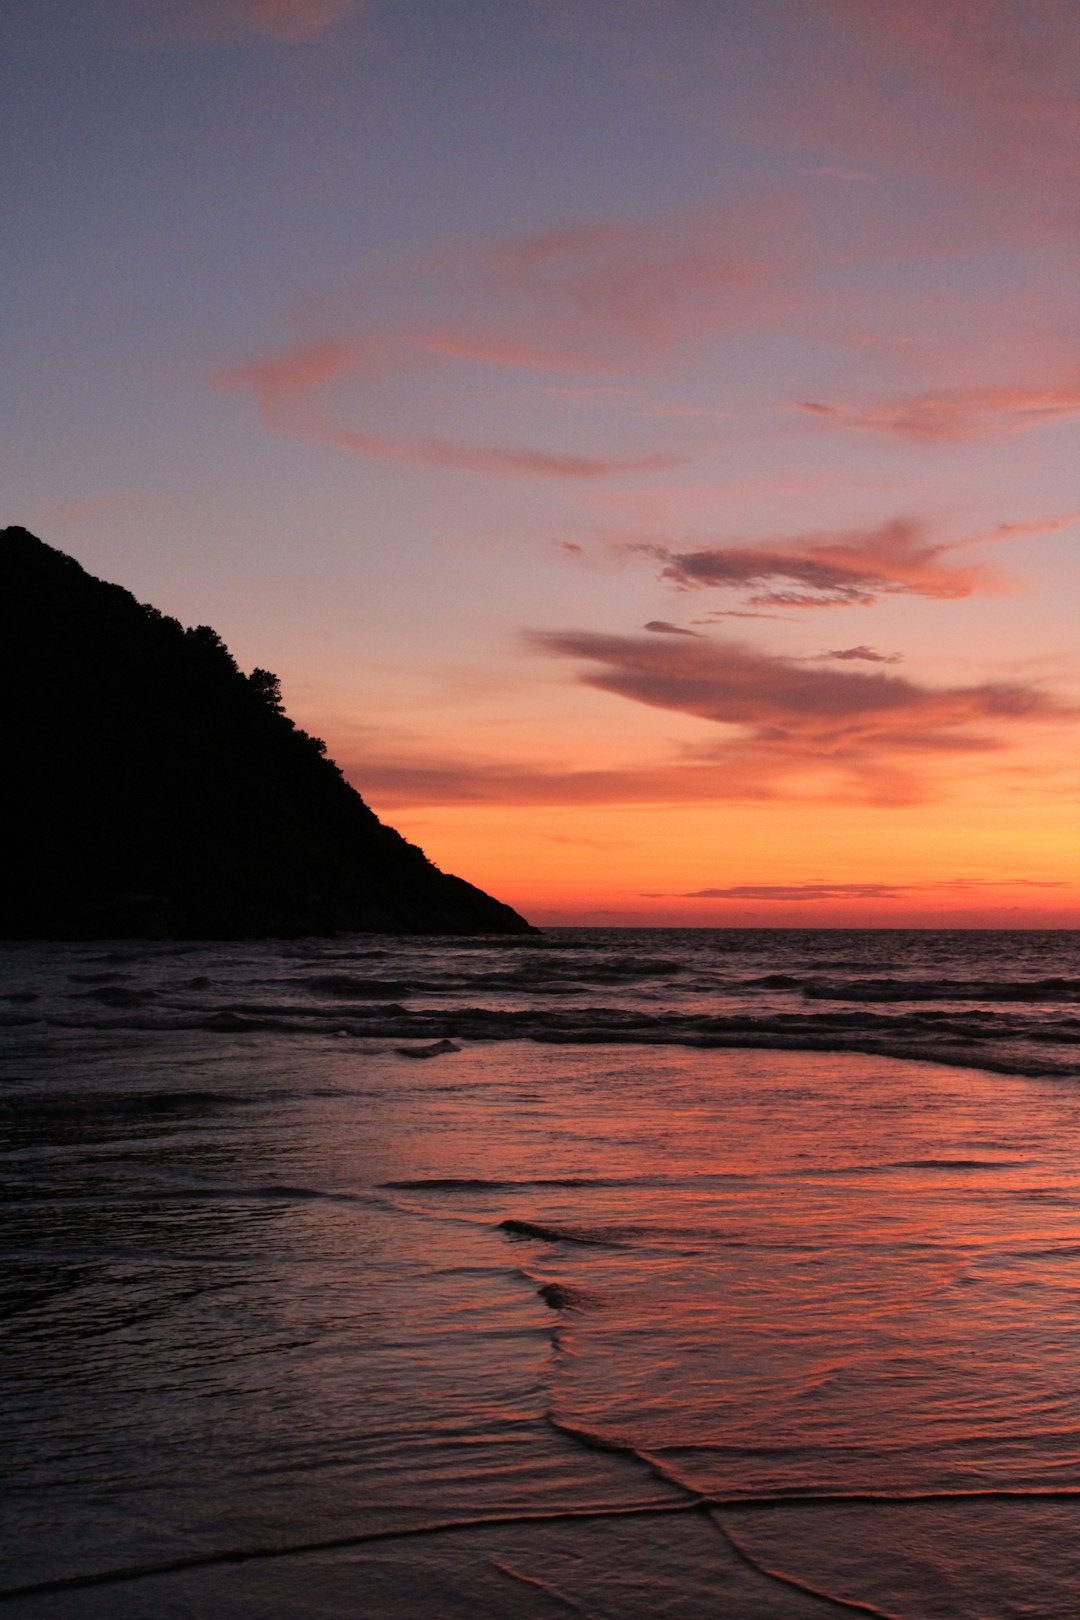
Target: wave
546, 975
995, 1040
558, 1297
1053, 990
543, 1232
483, 1183
345, 985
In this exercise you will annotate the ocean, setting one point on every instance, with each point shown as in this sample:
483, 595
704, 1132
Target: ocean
619, 1273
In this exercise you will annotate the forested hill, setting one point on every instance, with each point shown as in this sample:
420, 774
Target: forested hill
153, 789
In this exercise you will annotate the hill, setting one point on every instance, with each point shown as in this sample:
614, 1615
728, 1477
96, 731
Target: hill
155, 790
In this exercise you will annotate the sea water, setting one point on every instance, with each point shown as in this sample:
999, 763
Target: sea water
617, 1273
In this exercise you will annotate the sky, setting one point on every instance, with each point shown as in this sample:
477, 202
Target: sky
641, 434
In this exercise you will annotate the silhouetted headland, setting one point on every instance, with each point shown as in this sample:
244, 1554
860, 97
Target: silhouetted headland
155, 790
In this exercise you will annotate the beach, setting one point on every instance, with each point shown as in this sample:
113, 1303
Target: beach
302, 1321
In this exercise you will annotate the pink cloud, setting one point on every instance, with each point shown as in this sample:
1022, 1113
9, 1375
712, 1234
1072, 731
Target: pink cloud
957, 415
85, 508
499, 459
388, 783
859, 891
789, 718
289, 378
957, 88
616, 291
490, 351
1008, 65
289, 20
802, 891
827, 569
789, 731
289, 388
865, 655
591, 300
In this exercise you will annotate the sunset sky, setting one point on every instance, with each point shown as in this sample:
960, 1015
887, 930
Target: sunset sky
641, 434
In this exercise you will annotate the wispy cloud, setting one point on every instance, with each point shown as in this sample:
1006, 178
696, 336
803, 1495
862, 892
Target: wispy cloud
801, 891
837, 171
661, 627
598, 301
786, 718
858, 891
500, 459
947, 88
288, 20
396, 782
289, 389
956, 416
828, 568
860, 654
1004, 68
85, 508
286, 381
614, 291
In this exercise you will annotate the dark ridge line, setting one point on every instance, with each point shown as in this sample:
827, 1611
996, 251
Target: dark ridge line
1003, 1493
485, 1184
698, 1504
694, 1504
764, 1571
268, 1194
244, 1555
712, 1507
548, 1590
696, 1500
852, 1605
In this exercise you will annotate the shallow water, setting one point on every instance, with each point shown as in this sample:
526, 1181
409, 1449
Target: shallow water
1004, 1001
298, 1325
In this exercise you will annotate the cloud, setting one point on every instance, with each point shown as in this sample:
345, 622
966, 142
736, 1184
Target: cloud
864, 654
210, 21
968, 90
288, 388
785, 731
606, 294
589, 843
498, 459
494, 351
858, 891
390, 782
288, 379
957, 88
597, 300
501, 459
661, 627
782, 719
288, 20
741, 613
957, 416
85, 508
802, 891
1054, 525
827, 569
836, 171
1004, 69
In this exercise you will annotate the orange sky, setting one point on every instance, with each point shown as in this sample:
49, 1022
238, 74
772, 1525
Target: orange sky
642, 437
